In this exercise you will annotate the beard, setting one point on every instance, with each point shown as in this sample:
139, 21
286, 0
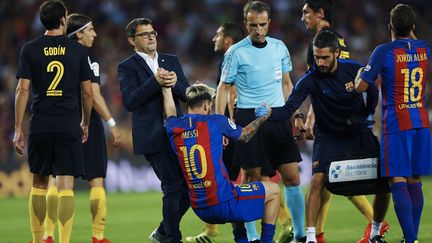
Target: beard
327, 69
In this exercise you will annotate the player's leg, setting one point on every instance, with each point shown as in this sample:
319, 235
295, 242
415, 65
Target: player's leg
66, 207
37, 206
51, 209
396, 158
322, 215
422, 166
68, 164
313, 202
294, 198
98, 207
175, 196
251, 175
380, 206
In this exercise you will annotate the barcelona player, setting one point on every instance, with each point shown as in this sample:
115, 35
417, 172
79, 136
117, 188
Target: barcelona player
197, 139
406, 141
55, 67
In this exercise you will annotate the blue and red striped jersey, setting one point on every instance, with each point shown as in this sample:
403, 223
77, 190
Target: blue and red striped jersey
197, 141
403, 65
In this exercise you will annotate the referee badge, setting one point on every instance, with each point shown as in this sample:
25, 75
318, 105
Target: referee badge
349, 87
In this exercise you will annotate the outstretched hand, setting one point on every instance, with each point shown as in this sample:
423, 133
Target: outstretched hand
263, 110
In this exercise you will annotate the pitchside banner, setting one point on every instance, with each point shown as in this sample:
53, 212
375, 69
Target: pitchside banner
353, 170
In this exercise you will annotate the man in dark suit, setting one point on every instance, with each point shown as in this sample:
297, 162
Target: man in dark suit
141, 77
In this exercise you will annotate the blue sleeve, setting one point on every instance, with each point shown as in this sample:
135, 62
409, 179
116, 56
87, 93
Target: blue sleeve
374, 66
229, 67
229, 128
300, 93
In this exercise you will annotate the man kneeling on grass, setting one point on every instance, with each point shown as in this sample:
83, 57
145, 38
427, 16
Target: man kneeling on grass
197, 140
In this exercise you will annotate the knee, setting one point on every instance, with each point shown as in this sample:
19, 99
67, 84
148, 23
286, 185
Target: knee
292, 179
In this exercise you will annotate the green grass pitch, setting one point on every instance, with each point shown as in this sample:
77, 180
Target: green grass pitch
132, 216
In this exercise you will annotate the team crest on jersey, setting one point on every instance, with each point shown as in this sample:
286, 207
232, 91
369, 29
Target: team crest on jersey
232, 124
349, 87
315, 164
255, 187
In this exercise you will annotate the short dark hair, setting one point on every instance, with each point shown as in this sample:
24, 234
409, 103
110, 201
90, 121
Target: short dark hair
132, 26
50, 13
74, 22
197, 94
325, 5
402, 18
255, 6
326, 39
233, 30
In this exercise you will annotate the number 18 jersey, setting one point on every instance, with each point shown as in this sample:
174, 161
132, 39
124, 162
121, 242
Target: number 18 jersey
55, 65
403, 65
197, 141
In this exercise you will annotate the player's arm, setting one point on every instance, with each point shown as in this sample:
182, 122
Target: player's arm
249, 131
87, 103
101, 107
168, 101
360, 84
179, 89
21, 99
231, 101
222, 97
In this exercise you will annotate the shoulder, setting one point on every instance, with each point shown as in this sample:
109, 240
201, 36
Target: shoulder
238, 46
348, 63
307, 77
168, 57
128, 61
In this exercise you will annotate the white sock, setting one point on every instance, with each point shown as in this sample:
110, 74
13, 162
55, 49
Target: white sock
375, 229
310, 234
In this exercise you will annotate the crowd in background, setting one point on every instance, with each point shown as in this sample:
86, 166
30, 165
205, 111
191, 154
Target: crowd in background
186, 28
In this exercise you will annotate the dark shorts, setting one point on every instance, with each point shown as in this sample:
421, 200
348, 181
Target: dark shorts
246, 207
272, 146
55, 154
329, 147
95, 152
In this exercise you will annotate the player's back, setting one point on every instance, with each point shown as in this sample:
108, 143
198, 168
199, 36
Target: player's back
197, 141
404, 73
54, 64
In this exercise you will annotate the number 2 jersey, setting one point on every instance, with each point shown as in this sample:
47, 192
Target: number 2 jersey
55, 66
197, 141
403, 65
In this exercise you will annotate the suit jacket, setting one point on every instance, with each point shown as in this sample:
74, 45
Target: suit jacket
142, 96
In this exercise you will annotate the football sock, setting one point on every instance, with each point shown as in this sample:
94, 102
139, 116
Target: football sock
51, 216
37, 211
416, 195
403, 207
239, 232
66, 208
310, 234
296, 204
267, 232
98, 210
375, 229
211, 229
322, 214
363, 205
251, 230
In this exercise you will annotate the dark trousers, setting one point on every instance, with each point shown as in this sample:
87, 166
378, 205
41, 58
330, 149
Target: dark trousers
175, 195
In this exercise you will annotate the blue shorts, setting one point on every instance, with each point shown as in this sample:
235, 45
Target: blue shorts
406, 153
247, 206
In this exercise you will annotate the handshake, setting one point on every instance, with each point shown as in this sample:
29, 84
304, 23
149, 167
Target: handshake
263, 110
166, 78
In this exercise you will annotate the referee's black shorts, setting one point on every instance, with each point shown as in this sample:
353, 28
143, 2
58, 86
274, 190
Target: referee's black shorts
273, 145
